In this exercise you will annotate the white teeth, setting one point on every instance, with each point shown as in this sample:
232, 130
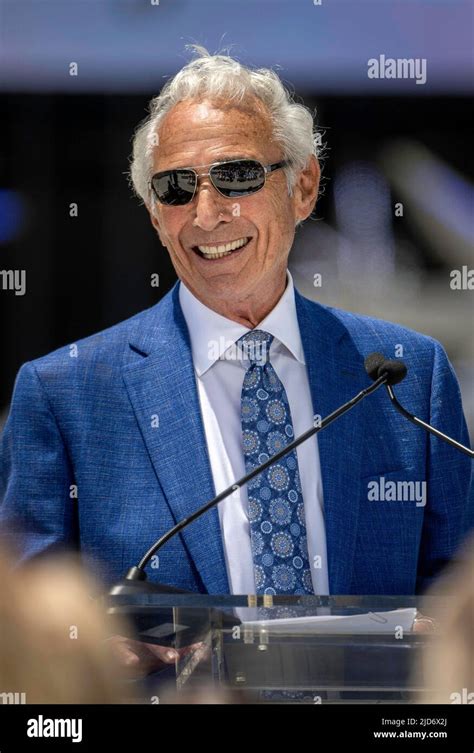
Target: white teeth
215, 252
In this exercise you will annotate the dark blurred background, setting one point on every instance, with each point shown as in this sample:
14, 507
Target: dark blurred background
66, 139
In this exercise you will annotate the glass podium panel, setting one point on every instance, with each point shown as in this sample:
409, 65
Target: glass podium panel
339, 649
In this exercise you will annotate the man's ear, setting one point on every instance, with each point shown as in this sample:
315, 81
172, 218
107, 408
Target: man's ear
306, 189
153, 218
155, 222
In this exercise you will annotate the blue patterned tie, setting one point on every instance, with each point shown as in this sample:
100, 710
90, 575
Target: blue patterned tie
276, 508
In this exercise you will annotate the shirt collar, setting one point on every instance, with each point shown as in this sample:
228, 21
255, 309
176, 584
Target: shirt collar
212, 334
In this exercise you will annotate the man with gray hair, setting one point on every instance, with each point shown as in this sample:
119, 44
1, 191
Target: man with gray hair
155, 415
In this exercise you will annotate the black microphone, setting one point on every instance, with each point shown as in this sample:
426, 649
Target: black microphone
137, 573
377, 365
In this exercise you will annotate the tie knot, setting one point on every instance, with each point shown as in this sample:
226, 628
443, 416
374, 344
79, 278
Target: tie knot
255, 346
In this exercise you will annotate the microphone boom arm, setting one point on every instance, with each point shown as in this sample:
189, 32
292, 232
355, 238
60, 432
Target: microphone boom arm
431, 429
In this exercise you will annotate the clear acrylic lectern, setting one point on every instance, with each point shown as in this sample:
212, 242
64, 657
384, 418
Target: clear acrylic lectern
284, 648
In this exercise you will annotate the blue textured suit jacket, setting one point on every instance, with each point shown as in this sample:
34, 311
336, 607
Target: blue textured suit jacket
88, 419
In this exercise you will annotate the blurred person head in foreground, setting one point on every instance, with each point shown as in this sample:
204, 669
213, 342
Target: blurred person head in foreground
446, 669
54, 646
148, 418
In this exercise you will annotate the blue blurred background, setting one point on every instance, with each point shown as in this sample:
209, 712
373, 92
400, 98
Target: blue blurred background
389, 142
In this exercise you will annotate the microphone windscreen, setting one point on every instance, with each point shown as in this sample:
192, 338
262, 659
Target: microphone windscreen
372, 364
396, 371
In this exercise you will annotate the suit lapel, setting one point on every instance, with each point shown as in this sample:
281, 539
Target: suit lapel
161, 386
336, 373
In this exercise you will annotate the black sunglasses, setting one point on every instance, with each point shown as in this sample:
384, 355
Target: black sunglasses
232, 179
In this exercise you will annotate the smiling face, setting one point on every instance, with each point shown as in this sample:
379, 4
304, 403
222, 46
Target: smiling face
230, 252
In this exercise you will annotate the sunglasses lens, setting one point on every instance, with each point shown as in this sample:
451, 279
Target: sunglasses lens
174, 187
238, 178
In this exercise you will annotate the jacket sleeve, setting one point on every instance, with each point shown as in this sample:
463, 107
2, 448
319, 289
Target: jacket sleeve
37, 499
449, 512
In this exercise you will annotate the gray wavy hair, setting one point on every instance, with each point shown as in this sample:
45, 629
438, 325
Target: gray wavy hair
215, 77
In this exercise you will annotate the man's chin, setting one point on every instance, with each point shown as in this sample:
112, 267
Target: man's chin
225, 288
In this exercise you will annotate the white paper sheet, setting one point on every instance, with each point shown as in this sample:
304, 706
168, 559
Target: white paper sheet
371, 622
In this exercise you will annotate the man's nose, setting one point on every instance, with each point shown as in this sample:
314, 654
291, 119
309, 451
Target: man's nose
211, 208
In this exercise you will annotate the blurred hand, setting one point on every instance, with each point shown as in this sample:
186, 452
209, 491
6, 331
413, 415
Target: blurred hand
139, 658
423, 624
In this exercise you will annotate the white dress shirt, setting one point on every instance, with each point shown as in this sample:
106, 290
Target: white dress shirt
219, 376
